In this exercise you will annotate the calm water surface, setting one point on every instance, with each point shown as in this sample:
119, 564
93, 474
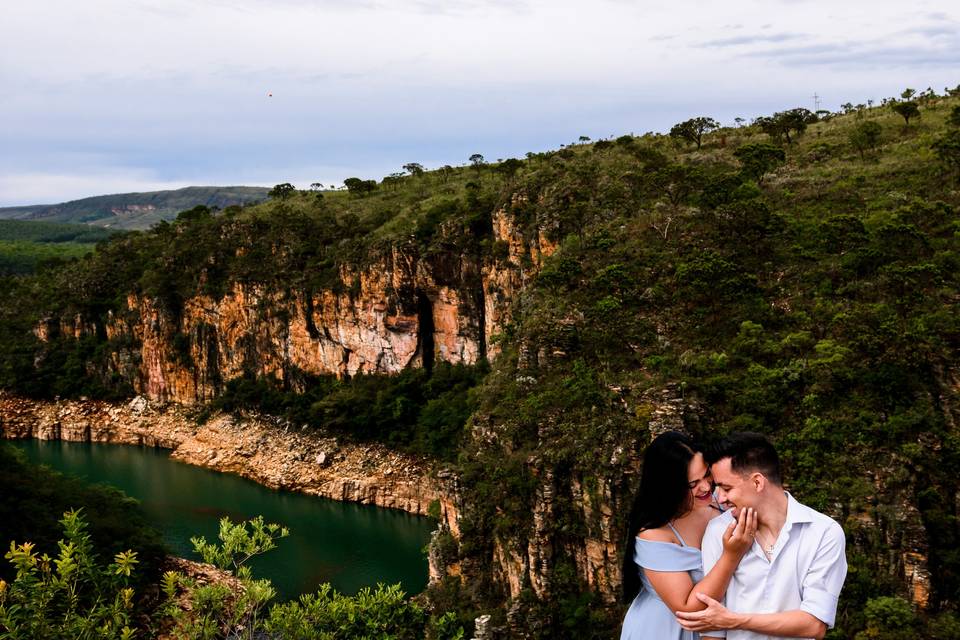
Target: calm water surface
349, 545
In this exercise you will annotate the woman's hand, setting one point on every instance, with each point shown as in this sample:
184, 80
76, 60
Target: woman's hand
739, 535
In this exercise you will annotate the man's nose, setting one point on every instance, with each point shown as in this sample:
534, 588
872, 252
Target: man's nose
721, 495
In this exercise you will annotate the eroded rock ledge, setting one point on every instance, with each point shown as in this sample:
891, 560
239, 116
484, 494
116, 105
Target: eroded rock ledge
276, 456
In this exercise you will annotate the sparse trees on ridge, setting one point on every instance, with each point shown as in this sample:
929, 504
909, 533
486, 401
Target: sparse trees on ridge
779, 125
692, 130
359, 187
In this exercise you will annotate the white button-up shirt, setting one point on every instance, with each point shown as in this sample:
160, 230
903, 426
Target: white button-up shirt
806, 569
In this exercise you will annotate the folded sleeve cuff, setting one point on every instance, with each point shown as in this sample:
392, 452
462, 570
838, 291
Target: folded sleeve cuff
820, 604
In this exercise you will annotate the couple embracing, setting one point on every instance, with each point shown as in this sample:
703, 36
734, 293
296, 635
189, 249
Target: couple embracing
746, 563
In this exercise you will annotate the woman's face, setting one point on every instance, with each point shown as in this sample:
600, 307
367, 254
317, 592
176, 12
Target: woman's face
700, 482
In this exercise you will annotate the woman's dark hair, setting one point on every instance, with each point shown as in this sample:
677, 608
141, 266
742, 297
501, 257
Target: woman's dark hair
664, 493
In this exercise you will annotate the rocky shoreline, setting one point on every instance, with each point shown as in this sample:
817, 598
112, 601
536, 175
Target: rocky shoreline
277, 456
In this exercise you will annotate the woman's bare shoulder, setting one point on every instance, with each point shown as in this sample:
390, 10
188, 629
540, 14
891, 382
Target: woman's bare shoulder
660, 534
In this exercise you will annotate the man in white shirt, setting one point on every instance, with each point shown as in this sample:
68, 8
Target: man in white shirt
788, 583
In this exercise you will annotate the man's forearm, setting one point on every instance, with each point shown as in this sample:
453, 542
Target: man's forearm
789, 624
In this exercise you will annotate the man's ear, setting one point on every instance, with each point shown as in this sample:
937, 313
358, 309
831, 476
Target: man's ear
759, 481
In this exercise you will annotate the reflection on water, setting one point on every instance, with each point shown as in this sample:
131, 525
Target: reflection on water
348, 545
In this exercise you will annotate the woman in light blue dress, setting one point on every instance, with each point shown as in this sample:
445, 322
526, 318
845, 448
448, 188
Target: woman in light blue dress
662, 567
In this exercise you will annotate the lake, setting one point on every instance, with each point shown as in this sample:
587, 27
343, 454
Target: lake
346, 544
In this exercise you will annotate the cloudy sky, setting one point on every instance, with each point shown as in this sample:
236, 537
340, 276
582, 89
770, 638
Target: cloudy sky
106, 96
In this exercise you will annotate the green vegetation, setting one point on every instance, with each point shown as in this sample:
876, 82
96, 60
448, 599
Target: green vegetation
26, 246
797, 276
69, 596
74, 596
415, 410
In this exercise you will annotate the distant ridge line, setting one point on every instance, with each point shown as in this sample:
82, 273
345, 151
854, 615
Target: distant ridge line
135, 210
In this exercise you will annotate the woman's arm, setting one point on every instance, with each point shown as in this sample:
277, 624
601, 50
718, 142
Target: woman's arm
678, 591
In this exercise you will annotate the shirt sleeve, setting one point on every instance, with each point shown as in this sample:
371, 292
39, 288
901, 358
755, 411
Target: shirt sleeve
820, 587
712, 548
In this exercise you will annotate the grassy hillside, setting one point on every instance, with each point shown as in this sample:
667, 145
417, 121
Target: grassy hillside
135, 210
803, 284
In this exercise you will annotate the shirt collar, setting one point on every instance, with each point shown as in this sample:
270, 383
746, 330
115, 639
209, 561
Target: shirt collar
797, 512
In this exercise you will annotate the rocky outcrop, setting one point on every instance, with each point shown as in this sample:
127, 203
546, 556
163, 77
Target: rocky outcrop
402, 309
277, 456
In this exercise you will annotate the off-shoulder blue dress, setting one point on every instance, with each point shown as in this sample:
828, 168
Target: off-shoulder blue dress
649, 618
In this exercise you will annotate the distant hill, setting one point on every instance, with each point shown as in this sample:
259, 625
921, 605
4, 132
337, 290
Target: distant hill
135, 210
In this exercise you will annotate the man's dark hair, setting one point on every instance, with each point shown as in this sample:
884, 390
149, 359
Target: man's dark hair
748, 452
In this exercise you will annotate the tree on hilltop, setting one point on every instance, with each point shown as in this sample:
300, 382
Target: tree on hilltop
509, 167
282, 191
780, 124
414, 168
692, 130
359, 187
906, 110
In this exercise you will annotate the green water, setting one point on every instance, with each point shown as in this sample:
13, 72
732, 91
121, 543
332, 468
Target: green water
348, 545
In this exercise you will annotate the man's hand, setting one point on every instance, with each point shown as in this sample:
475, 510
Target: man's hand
715, 616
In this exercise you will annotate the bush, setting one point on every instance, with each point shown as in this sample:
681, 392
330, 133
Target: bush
69, 596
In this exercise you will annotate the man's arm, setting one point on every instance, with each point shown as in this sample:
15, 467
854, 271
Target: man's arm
786, 624
820, 590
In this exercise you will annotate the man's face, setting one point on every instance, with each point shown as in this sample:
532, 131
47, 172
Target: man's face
734, 491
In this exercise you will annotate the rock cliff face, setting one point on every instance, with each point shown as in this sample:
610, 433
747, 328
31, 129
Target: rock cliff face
401, 310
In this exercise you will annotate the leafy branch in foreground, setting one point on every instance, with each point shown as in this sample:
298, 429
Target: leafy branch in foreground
69, 596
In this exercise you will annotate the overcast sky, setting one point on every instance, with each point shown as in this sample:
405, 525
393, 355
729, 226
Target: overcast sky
106, 96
